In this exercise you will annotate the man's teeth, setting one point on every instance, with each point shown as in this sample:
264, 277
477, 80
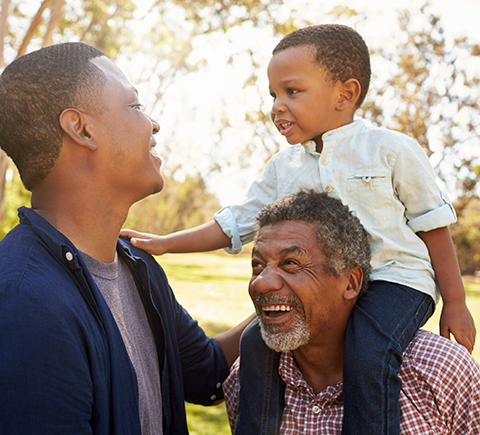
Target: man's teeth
288, 124
278, 308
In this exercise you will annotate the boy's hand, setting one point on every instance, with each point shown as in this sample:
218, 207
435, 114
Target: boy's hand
457, 320
150, 243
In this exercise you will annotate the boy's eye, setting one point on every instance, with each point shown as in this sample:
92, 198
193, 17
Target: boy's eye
291, 91
273, 95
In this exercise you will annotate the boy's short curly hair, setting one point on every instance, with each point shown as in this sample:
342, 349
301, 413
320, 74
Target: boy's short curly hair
339, 49
340, 235
34, 91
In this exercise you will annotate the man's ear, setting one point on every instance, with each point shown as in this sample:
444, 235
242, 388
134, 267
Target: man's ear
75, 124
354, 284
349, 93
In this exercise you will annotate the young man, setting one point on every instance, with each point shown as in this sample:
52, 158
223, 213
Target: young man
92, 339
310, 264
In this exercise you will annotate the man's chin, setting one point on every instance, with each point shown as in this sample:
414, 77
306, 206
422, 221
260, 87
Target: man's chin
284, 341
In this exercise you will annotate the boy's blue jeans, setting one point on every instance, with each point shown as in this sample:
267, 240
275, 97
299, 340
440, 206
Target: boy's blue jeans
383, 322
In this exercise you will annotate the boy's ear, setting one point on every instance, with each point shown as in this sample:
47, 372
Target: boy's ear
75, 125
349, 93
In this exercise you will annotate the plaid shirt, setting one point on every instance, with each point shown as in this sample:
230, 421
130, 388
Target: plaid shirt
440, 393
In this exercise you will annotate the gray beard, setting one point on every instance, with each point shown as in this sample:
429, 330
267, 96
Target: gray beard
297, 336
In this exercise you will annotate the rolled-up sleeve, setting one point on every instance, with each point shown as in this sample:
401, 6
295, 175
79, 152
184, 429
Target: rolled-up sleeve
426, 206
238, 221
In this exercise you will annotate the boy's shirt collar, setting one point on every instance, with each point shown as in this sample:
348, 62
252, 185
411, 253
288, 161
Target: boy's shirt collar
335, 135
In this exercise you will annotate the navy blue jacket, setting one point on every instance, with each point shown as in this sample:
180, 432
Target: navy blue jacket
64, 368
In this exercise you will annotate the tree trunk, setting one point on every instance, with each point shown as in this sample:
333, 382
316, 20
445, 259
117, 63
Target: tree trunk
3, 27
36, 20
55, 18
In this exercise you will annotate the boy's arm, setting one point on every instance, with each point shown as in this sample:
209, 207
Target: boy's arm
456, 318
206, 237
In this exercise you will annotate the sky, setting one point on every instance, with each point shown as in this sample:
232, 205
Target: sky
194, 106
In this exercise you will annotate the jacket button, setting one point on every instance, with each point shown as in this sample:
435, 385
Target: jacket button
316, 409
69, 256
213, 397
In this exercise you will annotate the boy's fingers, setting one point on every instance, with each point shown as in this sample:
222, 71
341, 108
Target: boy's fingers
127, 234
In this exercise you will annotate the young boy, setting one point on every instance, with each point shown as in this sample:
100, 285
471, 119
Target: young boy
318, 77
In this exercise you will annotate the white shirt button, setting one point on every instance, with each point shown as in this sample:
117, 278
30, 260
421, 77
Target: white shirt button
329, 189
213, 397
324, 161
69, 256
315, 409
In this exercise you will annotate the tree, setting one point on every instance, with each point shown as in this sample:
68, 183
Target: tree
182, 204
465, 235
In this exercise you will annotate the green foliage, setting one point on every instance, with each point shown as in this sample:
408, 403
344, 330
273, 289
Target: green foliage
181, 204
466, 236
15, 196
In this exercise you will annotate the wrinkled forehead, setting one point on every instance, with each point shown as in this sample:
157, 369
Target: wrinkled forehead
285, 235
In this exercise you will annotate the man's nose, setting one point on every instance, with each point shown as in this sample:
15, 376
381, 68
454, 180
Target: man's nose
267, 281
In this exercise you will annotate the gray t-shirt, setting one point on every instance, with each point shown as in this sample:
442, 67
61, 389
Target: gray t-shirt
117, 286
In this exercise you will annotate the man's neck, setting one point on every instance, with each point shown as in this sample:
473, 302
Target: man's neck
91, 226
321, 366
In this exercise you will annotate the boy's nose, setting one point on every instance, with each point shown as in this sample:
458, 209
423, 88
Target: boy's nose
278, 106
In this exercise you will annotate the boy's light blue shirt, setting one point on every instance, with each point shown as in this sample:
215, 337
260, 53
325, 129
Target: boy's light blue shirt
384, 176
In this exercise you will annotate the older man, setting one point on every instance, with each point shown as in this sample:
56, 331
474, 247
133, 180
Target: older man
92, 340
310, 263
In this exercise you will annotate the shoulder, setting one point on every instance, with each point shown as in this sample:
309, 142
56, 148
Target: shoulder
30, 271
433, 350
287, 153
385, 137
155, 271
441, 364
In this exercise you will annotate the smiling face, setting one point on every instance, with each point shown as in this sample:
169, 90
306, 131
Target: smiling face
125, 137
305, 98
296, 300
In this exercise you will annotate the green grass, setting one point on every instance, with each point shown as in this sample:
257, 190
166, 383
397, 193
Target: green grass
213, 288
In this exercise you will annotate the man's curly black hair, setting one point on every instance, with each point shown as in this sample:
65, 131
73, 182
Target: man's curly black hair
339, 49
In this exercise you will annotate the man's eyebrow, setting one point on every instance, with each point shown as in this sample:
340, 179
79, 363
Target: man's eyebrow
292, 250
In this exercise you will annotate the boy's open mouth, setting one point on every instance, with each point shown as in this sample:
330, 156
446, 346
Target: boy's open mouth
285, 127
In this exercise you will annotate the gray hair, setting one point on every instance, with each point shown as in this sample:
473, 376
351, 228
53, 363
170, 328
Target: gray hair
339, 232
